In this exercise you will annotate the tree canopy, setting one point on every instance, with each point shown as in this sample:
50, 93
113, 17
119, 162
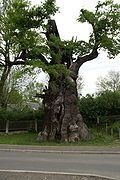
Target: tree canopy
20, 42
105, 21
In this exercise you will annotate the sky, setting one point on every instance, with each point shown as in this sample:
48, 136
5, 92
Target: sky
68, 27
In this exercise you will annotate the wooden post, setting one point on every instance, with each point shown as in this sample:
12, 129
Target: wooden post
119, 132
36, 125
112, 132
106, 127
7, 126
98, 120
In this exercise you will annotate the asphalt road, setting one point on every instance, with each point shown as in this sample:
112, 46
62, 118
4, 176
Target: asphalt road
99, 164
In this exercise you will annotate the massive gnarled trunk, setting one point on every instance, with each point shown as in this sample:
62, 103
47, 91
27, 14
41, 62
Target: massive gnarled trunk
63, 120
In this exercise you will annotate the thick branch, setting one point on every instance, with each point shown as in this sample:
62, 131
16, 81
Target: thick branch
89, 57
16, 63
80, 60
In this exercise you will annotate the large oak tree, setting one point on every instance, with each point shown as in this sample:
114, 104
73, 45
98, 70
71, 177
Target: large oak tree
63, 119
62, 61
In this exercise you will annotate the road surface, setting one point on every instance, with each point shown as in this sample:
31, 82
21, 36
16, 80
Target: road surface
99, 164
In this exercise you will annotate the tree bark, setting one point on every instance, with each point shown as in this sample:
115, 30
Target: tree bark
63, 120
3, 79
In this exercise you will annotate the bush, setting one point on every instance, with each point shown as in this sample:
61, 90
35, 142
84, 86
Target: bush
102, 105
88, 109
21, 115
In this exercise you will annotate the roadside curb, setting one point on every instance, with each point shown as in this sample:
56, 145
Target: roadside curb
60, 152
54, 175
60, 149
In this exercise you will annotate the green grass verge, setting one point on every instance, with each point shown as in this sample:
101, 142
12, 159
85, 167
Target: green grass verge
30, 139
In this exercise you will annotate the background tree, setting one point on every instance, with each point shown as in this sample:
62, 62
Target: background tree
11, 93
109, 83
31, 90
19, 40
21, 85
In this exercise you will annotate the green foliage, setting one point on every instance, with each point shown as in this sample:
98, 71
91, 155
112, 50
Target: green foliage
44, 11
105, 21
109, 103
115, 125
14, 97
58, 70
88, 108
20, 80
55, 50
21, 115
77, 48
104, 104
20, 40
19, 23
16, 27
87, 16
54, 70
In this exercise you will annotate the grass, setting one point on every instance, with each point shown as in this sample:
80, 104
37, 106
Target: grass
30, 139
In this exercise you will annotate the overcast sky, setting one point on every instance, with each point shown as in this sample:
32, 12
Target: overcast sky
68, 27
